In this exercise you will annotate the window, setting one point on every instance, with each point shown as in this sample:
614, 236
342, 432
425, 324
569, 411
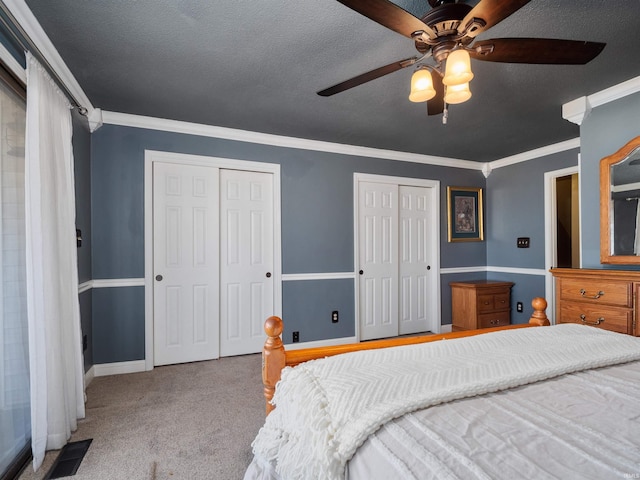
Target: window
15, 421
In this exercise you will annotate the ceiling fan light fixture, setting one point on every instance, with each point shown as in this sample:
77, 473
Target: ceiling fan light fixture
457, 93
458, 68
422, 86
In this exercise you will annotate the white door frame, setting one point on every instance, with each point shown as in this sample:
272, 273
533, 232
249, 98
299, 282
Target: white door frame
151, 156
435, 249
550, 230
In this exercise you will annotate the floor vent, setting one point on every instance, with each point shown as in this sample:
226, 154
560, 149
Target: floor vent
69, 459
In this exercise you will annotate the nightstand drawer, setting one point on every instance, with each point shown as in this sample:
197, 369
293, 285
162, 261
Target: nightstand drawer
494, 319
616, 319
596, 291
485, 303
493, 302
502, 301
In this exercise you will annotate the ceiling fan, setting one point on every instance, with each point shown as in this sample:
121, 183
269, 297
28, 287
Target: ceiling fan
448, 30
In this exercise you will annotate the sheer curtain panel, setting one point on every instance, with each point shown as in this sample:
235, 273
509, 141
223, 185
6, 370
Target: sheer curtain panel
55, 355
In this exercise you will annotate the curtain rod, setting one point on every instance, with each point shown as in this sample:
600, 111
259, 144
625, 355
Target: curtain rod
13, 27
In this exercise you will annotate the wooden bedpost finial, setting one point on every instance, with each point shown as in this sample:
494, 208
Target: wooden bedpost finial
539, 317
273, 358
273, 327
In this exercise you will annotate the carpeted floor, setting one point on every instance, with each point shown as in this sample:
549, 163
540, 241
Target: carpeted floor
191, 421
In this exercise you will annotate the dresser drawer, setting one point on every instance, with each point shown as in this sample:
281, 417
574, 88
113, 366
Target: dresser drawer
497, 319
616, 319
609, 292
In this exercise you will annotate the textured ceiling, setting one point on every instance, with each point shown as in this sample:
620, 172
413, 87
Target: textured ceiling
256, 65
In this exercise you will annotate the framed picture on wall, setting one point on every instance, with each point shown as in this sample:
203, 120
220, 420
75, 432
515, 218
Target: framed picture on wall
464, 212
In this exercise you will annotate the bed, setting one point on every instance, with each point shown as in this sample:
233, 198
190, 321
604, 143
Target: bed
509, 402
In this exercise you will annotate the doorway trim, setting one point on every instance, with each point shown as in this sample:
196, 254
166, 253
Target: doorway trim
435, 249
151, 156
551, 233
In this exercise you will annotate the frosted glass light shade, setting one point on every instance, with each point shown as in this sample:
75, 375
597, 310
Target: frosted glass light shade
457, 93
458, 69
421, 86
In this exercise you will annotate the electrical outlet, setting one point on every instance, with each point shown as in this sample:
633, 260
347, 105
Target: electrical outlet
519, 307
296, 337
523, 242
334, 316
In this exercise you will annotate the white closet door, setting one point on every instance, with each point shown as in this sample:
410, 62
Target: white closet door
186, 263
417, 278
378, 262
246, 235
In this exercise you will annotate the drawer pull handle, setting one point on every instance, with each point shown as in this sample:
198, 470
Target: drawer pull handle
583, 317
596, 296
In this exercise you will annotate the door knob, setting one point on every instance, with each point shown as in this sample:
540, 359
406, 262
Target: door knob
361, 272
159, 278
268, 274
428, 267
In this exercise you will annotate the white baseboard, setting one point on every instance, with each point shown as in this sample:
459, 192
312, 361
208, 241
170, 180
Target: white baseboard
89, 375
118, 368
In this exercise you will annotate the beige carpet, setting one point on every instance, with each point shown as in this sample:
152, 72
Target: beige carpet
190, 421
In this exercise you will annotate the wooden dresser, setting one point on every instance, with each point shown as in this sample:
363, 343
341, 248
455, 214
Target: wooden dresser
480, 304
600, 298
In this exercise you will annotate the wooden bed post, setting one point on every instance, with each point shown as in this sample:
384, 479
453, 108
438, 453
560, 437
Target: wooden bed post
273, 359
539, 317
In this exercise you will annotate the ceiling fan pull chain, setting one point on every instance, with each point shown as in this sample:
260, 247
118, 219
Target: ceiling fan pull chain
445, 114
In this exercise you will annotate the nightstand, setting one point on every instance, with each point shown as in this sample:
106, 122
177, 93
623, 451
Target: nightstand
480, 304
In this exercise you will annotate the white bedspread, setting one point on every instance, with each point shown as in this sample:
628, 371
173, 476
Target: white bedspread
582, 425
327, 408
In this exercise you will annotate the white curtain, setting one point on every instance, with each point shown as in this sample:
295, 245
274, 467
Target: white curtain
55, 355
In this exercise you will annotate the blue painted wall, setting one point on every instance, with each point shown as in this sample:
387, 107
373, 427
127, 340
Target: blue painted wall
317, 226
317, 222
82, 175
603, 132
515, 208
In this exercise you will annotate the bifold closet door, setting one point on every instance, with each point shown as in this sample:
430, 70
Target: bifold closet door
213, 261
246, 260
186, 263
378, 262
397, 289
417, 281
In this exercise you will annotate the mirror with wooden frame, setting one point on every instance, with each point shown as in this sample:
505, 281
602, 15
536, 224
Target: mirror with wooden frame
620, 205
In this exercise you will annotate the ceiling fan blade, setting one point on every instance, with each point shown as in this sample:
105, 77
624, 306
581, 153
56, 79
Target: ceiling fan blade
390, 15
536, 51
367, 77
435, 106
490, 12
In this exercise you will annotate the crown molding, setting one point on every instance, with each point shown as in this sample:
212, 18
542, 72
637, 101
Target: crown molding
39, 38
537, 153
175, 126
576, 110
